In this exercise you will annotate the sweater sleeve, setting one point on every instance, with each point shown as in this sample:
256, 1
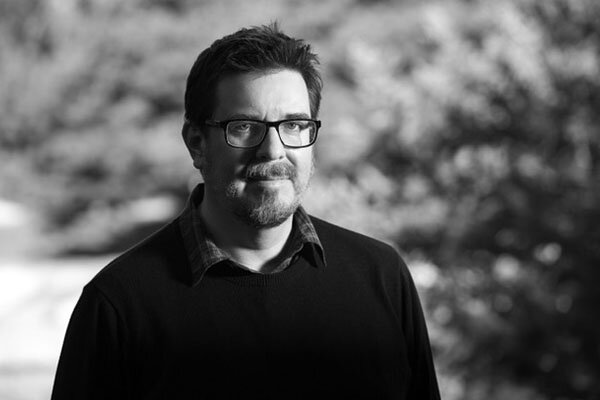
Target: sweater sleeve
424, 381
91, 361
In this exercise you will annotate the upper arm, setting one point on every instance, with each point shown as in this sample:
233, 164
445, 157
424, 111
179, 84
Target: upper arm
91, 364
424, 381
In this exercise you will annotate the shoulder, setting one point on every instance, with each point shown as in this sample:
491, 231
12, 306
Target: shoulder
339, 241
158, 258
334, 234
365, 262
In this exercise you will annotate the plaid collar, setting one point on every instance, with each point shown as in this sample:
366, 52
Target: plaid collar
203, 253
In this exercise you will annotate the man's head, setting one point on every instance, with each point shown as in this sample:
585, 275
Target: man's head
254, 50
255, 74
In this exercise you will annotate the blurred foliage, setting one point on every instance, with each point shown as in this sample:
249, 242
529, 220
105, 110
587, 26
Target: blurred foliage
464, 131
485, 118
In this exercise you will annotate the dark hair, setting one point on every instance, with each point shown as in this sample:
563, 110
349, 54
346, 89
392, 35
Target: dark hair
255, 49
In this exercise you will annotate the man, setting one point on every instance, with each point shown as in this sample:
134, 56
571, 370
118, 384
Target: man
244, 295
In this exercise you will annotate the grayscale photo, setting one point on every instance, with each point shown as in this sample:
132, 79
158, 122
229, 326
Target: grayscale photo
355, 199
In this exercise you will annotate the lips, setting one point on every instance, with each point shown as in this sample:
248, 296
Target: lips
266, 178
270, 172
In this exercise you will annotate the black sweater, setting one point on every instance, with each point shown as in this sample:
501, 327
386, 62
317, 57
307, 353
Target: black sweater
352, 329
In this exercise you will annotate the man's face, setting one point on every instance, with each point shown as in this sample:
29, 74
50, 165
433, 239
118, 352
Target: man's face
262, 186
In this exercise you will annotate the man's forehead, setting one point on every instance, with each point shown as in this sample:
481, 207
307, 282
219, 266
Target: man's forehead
257, 91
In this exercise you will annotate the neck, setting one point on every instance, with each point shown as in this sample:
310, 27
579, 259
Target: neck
253, 247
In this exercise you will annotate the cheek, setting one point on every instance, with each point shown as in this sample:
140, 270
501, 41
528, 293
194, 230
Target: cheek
228, 165
304, 164
307, 158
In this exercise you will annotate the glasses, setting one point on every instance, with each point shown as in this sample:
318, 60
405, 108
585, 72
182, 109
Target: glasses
248, 133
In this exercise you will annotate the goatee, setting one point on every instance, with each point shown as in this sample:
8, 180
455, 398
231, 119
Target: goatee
267, 210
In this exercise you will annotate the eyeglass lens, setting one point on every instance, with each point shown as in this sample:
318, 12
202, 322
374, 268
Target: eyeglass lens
296, 133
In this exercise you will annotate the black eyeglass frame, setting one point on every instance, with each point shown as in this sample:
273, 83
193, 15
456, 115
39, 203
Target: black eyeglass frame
275, 124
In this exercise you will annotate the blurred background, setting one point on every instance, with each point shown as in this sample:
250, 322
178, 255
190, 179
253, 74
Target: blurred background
464, 132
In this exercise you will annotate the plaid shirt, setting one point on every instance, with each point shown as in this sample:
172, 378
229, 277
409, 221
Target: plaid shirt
203, 253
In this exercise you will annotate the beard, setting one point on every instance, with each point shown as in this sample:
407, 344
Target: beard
265, 207
262, 212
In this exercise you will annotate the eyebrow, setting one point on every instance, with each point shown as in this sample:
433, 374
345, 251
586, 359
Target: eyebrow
297, 116
240, 116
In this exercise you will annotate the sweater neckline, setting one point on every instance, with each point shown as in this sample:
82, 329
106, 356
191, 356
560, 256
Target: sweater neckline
226, 271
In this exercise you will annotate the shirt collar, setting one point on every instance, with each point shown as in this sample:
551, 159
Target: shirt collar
203, 253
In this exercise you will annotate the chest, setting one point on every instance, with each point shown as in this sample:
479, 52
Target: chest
327, 335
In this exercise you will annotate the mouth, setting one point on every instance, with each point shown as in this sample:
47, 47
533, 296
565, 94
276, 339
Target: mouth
269, 173
268, 182
267, 178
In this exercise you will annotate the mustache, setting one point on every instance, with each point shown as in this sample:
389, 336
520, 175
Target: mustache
280, 170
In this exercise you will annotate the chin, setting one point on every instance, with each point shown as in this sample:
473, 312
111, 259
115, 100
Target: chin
263, 204
266, 209
263, 217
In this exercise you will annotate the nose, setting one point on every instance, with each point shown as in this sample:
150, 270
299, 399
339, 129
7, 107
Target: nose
271, 147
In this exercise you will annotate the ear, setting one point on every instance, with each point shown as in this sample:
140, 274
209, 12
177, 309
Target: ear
195, 143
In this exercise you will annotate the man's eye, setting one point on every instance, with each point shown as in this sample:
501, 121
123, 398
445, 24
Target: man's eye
291, 126
241, 127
